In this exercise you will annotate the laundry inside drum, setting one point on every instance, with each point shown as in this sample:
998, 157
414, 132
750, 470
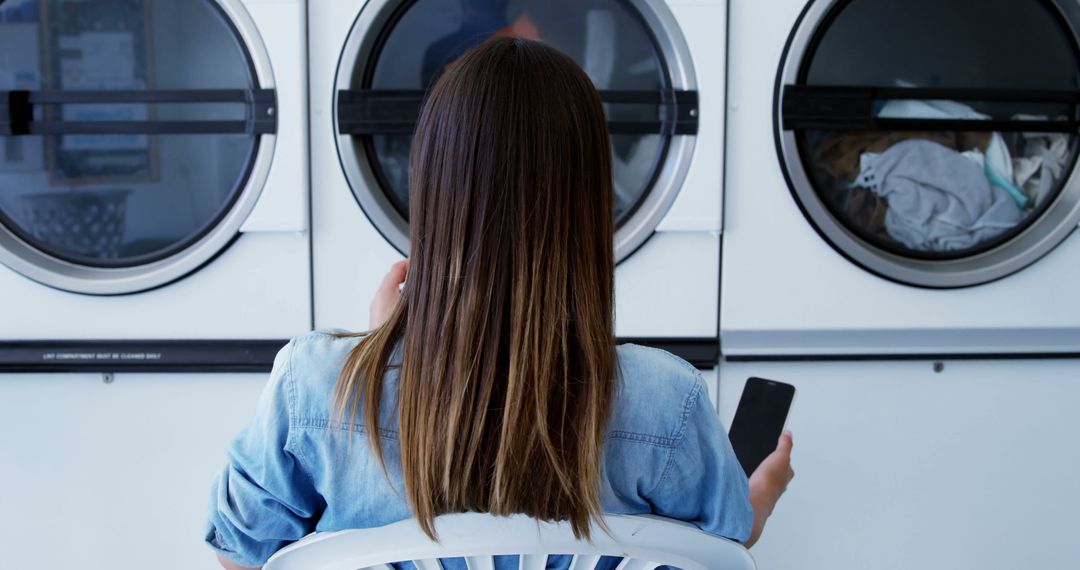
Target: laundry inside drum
937, 194
947, 131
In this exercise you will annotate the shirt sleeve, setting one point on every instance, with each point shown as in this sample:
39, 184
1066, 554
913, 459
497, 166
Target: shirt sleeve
263, 499
703, 482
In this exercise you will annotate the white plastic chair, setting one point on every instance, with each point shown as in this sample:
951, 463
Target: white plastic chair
644, 543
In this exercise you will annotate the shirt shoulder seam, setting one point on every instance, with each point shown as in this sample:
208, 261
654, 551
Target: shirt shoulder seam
655, 440
324, 424
290, 390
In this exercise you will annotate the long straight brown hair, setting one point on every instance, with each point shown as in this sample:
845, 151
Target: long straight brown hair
508, 362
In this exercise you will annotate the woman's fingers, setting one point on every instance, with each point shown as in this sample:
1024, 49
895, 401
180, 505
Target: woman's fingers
784, 445
388, 294
775, 470
395, 277
786, 442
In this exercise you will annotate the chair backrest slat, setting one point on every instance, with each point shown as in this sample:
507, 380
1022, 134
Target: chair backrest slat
636, 564
532, 562
584, 562
480, 562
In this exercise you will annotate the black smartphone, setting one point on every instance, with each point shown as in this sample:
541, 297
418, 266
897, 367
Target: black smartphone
759, 420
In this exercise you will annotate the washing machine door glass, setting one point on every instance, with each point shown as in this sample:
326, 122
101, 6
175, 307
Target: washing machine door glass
626, 47
128, 130
932, 141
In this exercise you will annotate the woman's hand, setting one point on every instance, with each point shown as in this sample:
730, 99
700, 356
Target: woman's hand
388, 295
768, 482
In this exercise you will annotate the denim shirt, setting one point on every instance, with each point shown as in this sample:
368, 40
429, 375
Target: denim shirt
294, 471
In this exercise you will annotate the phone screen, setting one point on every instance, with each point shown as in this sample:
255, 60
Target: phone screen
759, 420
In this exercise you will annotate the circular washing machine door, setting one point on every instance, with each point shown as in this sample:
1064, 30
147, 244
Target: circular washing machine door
131, 138
631, 49
933, 142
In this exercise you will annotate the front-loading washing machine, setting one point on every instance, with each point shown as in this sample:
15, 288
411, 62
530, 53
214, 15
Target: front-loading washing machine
153, 222
899, 244
153, 184
660, 70
901, 178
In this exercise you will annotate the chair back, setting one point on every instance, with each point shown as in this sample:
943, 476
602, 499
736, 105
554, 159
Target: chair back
644, 542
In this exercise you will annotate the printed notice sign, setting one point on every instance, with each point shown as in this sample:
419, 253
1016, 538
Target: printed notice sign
101, 356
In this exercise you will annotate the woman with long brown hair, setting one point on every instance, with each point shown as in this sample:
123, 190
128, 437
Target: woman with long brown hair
490, 380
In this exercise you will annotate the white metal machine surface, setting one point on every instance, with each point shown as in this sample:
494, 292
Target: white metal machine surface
924, 464
659, 66
153, 184
901, 178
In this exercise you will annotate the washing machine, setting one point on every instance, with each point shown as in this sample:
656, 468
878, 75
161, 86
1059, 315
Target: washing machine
901, 179
153, 184
660, 69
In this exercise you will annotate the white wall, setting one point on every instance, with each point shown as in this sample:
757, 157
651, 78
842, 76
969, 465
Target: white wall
900, 467
114, 476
